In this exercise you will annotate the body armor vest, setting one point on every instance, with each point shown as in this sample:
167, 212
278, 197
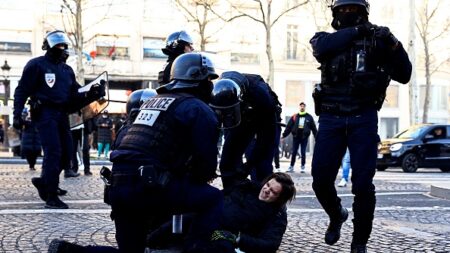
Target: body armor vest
155, 131
353, 79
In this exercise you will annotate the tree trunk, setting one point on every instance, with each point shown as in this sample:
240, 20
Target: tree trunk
426, 104
79, 44
268, 27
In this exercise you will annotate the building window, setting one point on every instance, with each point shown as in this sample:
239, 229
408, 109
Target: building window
292, 39
152, 48
15, 47
391, 100
438, 97
244, 58
388, 127
113, 46
295, 93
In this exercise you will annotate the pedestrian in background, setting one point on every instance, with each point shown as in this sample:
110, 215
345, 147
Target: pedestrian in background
357, 62
300, 125
30, 144
53, 91
345, 169
104, 131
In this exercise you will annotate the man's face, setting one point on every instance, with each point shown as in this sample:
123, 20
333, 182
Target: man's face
188, 48
348, 9
302, 107
270, 191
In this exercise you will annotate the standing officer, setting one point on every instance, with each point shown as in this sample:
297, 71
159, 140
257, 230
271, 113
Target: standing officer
300, 125
260, 111
177, 43
357, 63
51, 86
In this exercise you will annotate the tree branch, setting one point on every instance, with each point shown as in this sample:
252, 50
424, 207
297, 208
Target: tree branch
288, 10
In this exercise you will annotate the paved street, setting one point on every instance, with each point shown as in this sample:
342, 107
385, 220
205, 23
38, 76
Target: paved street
408, 219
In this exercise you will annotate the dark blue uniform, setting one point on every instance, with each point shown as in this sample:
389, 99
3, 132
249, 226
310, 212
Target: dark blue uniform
52, 84
182, 140
259, 118
348, 104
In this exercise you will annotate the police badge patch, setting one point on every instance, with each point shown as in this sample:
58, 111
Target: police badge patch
50, 79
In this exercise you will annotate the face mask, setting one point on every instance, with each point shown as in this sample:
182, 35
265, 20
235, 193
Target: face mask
344, 20
59, 54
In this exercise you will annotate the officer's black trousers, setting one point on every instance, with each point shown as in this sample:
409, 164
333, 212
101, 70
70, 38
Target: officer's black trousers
359, 133
56, 139
134, 205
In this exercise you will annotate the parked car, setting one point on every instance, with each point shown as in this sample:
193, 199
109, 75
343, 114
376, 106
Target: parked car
420, 146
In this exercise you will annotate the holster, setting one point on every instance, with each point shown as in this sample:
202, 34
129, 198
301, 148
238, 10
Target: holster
35, 108
317, 96
154, 177
105, 175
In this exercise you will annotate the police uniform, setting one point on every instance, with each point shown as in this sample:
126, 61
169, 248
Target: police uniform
259, 118
50, 84
356, 70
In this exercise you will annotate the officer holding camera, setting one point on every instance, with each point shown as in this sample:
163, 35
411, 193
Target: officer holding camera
357, 62
53, 91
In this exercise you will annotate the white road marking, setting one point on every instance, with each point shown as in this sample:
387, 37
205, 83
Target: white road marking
377, 194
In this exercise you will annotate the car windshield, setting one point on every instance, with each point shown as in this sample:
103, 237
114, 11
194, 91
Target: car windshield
411, 133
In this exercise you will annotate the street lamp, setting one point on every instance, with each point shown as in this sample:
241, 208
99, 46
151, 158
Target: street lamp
5, 69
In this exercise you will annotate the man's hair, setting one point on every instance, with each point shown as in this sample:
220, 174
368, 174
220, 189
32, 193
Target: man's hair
288, 190
301, 103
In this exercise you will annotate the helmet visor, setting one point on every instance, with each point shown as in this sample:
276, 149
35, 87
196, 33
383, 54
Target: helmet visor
56, 38
228, 116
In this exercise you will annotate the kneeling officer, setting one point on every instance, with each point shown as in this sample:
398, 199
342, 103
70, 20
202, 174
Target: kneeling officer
163, 164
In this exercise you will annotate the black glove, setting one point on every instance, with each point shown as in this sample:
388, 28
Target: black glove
385, 34
97, 90
18, 122
365, 29
224, 235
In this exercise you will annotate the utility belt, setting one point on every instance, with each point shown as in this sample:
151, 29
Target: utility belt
343, 110
152, 176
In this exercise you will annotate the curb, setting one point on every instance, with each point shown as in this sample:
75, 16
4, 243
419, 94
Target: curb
440, 191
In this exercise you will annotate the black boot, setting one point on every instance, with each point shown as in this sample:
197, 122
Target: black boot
61, 192
358, 248
37, 182
53, 202
61, 246
70, 173
333, 232
87, 173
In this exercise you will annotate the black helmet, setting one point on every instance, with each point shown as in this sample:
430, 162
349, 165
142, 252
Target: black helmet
54, 38
225, 101
362, 3
137, 98
176, 42
188, 70
238, 78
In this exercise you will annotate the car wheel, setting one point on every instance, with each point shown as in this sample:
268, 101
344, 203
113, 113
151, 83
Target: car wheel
381, 168
410, 163
445, 169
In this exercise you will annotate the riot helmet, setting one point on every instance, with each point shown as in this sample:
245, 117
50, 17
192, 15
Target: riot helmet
190, 70
176, 43
57, 43
225, 102
347, 19
137, 98
238, 78
55, 38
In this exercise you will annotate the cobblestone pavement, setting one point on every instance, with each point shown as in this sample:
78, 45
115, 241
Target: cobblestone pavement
407, 218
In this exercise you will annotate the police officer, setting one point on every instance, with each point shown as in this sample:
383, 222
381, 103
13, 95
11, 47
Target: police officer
134, 102
51, 86
259, 107
357, 63
177, 43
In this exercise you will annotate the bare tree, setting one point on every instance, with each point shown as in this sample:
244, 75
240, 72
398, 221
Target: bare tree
427, 18
201, 13
72, 19
266, 18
